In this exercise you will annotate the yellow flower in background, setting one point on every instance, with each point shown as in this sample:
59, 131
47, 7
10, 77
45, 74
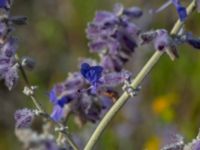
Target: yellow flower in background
153, 143
163, 103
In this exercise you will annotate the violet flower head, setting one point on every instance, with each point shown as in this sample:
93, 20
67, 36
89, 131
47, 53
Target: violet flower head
181, 10
24, 118
8, 46
114, 35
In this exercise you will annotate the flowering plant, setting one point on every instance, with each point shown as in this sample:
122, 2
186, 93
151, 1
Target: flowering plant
90, 94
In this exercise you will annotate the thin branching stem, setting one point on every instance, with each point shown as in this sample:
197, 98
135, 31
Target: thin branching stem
136, 82
42, 111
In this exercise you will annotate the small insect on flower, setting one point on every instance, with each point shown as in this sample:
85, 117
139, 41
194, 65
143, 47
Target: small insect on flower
113, 95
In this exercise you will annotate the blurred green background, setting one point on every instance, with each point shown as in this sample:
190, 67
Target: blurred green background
55, 37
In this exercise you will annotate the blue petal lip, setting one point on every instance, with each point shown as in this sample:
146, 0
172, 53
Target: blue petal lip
52, 96
182, 13
64, 100
57, 113
3, 3
91, 73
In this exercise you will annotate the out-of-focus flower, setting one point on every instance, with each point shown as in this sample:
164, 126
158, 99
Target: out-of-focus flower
24, 118
8, 45
192, 41
153, 143
11, 76
34, 141
182, 12
196, 145
5, 3
8, 65
162, 103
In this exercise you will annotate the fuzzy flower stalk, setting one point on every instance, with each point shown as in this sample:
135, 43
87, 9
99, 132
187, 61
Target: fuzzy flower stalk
11, 64
8, 44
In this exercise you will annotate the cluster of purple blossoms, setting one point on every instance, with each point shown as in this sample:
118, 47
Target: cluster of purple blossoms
8, 45
87, 93
114, 36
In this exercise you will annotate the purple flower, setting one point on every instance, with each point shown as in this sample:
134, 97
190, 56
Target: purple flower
59, 103
23, 118
57, 113
192, 41
4, 3
11, 77
196, 145
182, 12
8, 71
10, 47
161, 40
91, 73
114, 33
